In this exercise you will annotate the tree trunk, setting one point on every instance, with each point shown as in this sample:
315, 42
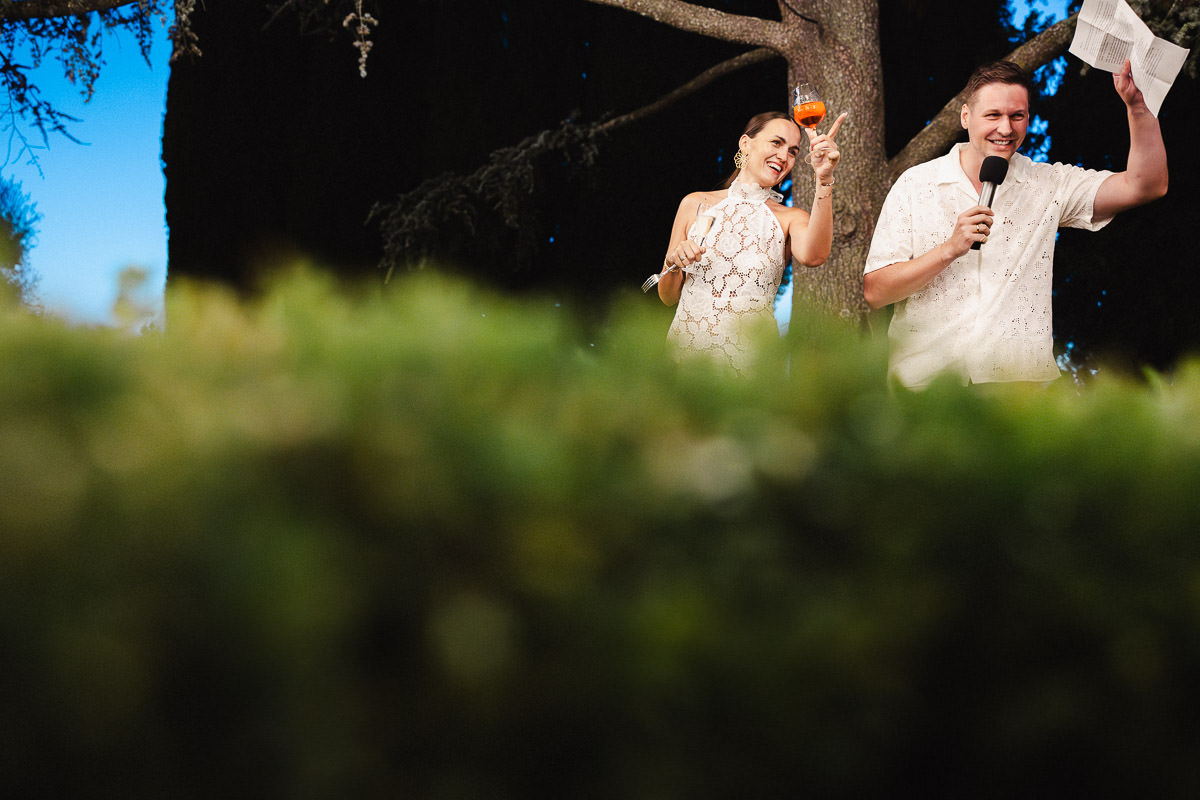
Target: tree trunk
839, 55
834, 45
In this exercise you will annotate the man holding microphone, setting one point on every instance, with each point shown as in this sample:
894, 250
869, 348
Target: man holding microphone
985, 314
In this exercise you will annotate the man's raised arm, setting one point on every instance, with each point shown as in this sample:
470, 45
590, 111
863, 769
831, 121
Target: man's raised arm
1145, 175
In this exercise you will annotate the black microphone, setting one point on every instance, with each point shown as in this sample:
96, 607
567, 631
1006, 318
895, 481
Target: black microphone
991, 175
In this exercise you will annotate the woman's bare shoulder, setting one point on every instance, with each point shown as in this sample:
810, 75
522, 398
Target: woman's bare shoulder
696, 198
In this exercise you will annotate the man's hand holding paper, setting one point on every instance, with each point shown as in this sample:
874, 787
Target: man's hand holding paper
1108, 32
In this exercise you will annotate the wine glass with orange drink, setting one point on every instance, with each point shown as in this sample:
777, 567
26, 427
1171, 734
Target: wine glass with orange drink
808, 109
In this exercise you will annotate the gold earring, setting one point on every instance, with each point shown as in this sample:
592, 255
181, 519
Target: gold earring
739, 160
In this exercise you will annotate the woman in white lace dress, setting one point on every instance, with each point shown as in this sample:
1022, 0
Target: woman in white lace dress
725, 288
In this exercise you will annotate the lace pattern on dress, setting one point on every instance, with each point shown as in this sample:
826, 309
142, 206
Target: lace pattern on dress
732, 293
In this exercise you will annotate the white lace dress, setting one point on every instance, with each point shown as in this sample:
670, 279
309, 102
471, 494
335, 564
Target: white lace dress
729, 298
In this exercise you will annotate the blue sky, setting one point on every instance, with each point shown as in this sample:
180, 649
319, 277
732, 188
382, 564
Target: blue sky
1057, 9
101, 201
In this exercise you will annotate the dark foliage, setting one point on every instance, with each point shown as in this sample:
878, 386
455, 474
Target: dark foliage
1123, 294
919, 78
19, 218
489, 223
1178, 22
318, 148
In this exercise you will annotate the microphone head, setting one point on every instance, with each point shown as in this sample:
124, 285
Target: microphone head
993, 170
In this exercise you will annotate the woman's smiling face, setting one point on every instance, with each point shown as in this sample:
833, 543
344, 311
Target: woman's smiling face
771, 154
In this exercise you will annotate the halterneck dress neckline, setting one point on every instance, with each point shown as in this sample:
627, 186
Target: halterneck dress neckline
744, 190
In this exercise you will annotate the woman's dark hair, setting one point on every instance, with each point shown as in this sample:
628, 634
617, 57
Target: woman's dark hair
754, 128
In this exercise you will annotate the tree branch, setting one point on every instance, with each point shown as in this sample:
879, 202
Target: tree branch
787, 4
737, 28
45, 9
499, 202
694, 85
941, 131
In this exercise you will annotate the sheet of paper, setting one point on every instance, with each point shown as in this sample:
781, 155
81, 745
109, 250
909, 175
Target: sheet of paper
1108, 32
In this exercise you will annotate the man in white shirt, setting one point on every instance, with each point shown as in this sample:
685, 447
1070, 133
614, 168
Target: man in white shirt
985, 314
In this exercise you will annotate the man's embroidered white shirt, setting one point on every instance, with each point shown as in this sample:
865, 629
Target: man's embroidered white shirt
987, 316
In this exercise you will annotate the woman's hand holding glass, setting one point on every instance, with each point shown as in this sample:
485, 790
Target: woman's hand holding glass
685, 255
808, 109
823, 151
689, 251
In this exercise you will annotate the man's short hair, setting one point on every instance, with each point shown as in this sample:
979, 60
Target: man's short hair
998, 72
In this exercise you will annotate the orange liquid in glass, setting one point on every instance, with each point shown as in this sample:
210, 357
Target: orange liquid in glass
809, 114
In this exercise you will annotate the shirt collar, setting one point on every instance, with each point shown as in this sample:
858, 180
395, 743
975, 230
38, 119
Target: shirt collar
949, 169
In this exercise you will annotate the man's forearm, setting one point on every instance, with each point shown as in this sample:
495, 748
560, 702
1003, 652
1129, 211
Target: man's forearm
895, 282
1146, 168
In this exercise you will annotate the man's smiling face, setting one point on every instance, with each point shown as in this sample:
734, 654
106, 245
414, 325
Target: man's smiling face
996, 119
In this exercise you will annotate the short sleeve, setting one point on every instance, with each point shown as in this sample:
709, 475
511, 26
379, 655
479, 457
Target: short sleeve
893, 238
1077, 193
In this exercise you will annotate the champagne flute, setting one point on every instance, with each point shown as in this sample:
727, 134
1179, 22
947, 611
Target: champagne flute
700, 228
704, 222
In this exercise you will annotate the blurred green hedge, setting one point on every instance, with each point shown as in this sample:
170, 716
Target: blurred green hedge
441, 544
